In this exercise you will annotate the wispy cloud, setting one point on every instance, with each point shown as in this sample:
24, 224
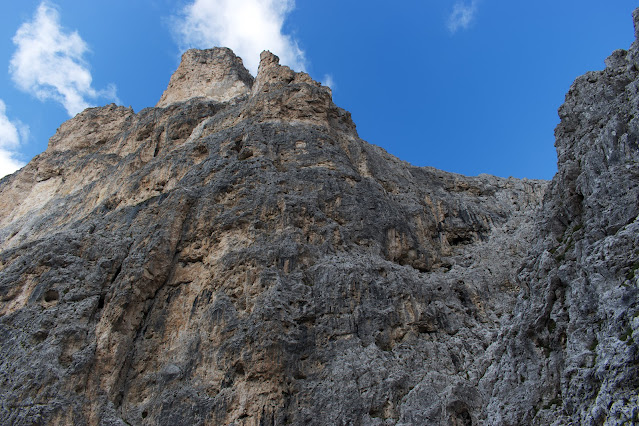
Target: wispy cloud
462, 16
49, 62
11, 134
328, 81
246, 26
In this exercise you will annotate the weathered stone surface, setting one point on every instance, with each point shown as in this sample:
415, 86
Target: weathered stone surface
215, 74
240, 256
569, 356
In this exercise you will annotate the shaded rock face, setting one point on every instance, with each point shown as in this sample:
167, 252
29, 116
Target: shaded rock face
237, 255
570, 353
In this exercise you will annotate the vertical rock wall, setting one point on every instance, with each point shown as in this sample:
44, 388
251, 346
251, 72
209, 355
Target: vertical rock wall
570, 355
237, 255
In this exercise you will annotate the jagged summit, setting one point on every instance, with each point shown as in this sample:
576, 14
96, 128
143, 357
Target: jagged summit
215, 74
270, 73
218, 74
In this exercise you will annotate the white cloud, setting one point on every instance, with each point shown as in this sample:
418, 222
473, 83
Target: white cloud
246, 26
49, 63
462, 16
8, 164
11, 133
328, 81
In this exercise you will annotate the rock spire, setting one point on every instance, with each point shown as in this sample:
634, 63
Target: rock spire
215, 74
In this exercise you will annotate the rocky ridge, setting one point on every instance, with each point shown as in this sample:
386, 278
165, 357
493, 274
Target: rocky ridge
238, 255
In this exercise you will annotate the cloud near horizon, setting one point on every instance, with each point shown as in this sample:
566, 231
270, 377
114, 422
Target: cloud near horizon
462, 16
49, 62
246, 26
11, 135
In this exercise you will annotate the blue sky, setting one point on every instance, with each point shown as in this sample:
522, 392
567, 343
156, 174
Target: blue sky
468, 86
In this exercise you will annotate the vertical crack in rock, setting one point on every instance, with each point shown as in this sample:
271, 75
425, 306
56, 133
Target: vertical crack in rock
150, 303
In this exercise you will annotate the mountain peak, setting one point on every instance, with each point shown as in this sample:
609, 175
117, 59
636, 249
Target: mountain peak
271, 74
242, 257
216, 74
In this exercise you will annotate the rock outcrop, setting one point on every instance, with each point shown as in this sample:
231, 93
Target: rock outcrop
569, 356
214, 74
238, 255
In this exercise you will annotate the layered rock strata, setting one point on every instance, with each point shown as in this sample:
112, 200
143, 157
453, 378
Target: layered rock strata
238, 255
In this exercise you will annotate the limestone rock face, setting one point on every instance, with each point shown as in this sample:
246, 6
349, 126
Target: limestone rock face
215, 74
238, 255
570, 355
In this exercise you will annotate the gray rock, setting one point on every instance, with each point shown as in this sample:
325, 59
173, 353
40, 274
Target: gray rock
570, 356
238, 255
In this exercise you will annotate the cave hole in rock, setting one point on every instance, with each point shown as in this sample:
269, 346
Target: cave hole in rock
40, 335
459, 414
461, 240
239, 368
51, 296
101, 302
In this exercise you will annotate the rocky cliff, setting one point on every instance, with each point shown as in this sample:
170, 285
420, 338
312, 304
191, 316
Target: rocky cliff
569, 354
238, 255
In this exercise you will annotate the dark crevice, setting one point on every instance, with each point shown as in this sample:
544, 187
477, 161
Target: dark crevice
460, 240
117, 272
51, 296
237, 145
124, 378
101, 302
